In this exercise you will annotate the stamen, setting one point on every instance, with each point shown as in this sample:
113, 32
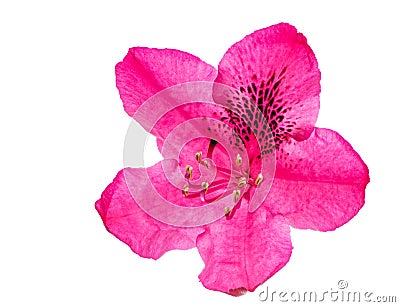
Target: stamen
236, 196
198, 156
215, 186
238, 160
205, 163
204, 186
189, 172
242, 182
228, 172
227, 211
258, 179
185, 190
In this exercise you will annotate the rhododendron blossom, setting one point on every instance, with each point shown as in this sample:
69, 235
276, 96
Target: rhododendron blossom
242, 160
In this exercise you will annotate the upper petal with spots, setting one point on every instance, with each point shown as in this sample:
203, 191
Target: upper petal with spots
277, 69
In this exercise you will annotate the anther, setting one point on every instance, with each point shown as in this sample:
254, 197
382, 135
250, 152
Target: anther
236, 196
204, 186
189, 172
227, 211
242, 182
258, 179
238, 160
198, 156
185, 190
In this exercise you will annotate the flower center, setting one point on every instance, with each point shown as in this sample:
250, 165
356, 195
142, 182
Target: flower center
235, 181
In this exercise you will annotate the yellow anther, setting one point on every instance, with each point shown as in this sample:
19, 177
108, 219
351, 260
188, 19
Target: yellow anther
238, 160
185, 190
204, 186
242, 182
227, 211
236, 196
189, 171
198, 156
258, 179
205, 163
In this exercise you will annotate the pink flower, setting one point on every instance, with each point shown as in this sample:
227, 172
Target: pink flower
319, 180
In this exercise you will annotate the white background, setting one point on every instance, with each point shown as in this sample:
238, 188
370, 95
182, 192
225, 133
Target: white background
62, 130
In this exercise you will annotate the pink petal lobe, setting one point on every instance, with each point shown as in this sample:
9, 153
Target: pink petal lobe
145, 235
319, 183
146, 71
243, 252
156, 87
277, 69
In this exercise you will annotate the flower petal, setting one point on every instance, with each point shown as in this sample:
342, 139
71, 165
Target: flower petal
146, 71
319, 183
277, 69
145, 235
243, 252
163, 88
